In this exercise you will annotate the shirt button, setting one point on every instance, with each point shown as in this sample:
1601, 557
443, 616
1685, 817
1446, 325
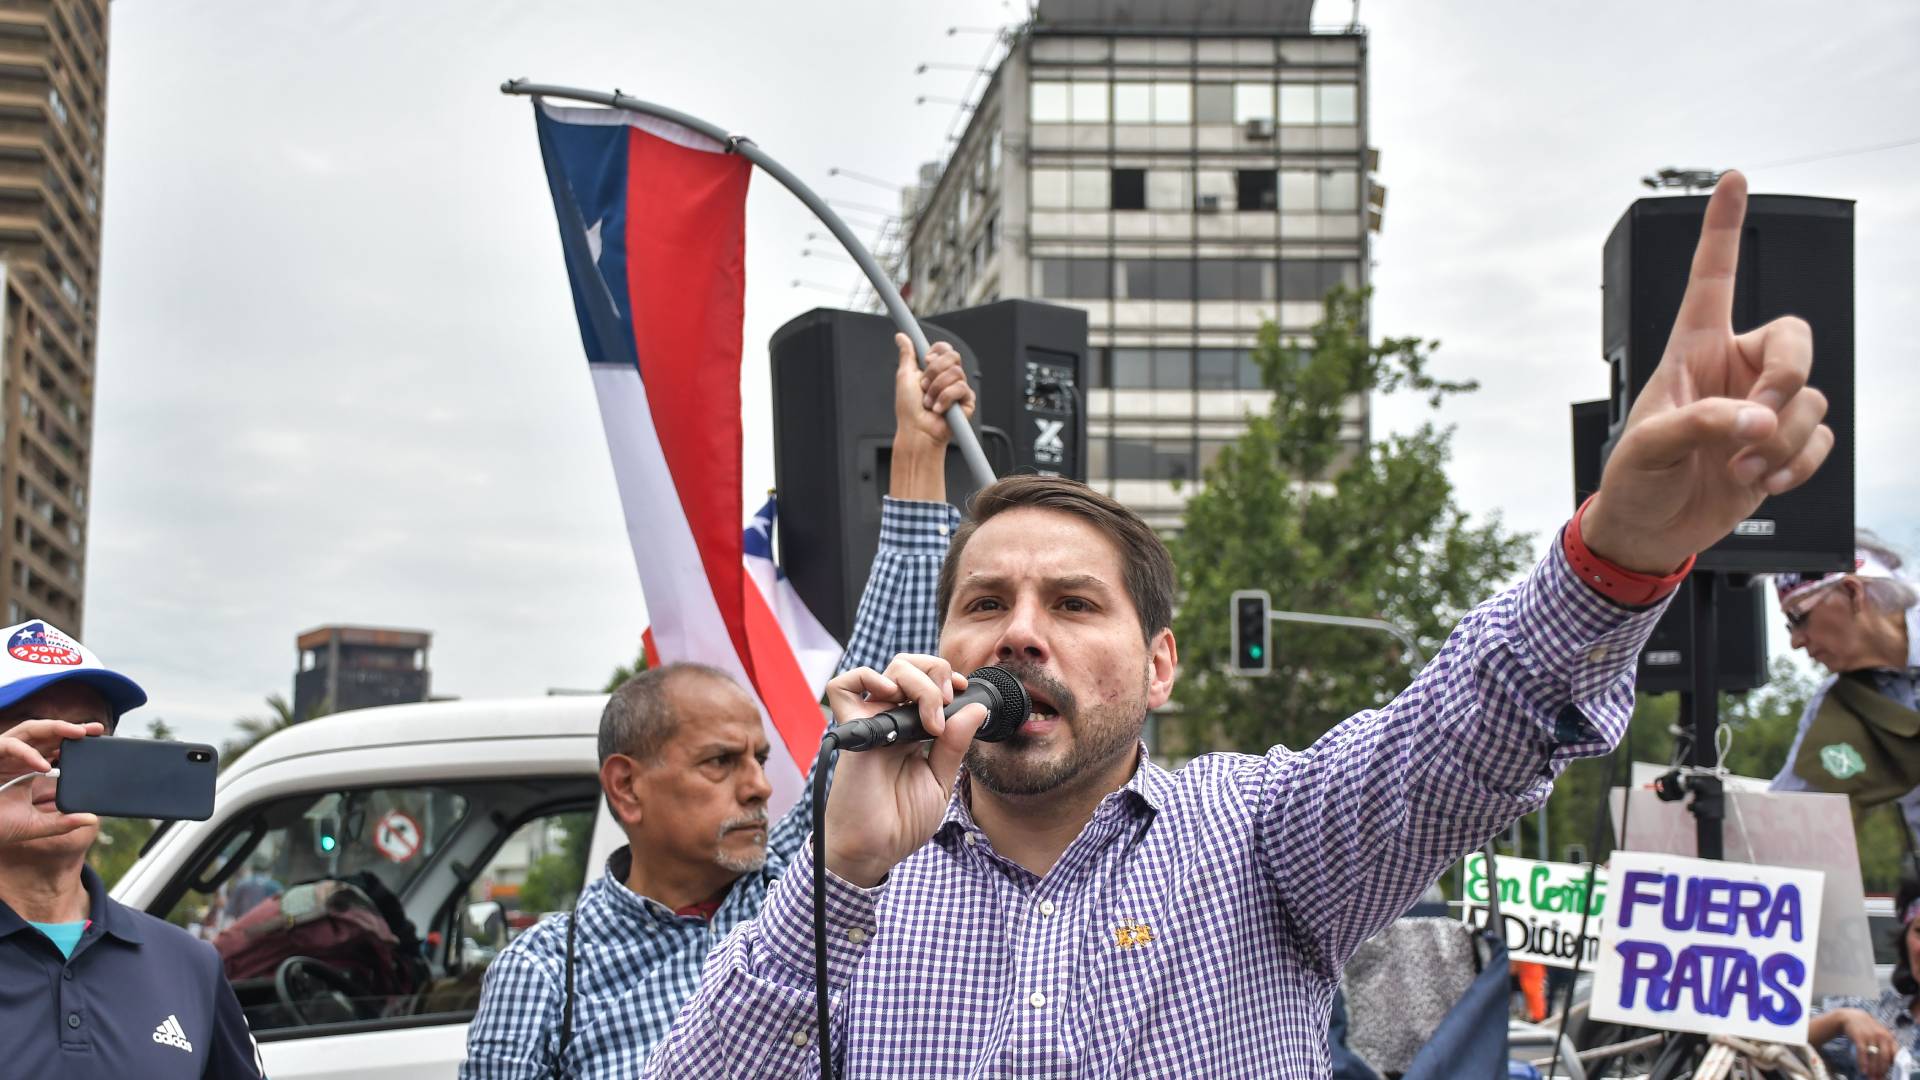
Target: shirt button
971, 840
799, 1038
857, 936
67, 974
1597, 654
73, 1019
942, 530
1046, 907
1038, 1000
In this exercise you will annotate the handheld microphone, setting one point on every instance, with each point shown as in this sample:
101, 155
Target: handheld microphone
1002, 694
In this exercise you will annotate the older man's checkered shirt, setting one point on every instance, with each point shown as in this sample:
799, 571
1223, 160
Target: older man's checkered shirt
1198, 924
635, 962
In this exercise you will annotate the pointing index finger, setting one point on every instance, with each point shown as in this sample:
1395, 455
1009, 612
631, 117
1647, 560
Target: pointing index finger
1708, 304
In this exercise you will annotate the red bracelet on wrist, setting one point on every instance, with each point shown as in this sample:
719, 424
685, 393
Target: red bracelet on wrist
1616, 583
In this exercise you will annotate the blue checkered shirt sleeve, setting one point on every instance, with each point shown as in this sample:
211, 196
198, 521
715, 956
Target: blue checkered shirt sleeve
513, 1035
897, 607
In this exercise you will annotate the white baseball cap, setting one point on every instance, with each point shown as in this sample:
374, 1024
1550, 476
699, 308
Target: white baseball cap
39, 654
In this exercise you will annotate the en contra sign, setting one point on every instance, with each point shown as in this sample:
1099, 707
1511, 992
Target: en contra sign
1731, 948
1544, 907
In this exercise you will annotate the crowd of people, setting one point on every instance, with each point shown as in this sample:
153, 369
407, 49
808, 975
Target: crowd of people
1054, 903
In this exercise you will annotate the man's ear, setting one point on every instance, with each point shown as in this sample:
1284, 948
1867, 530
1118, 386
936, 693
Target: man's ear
1163, 661
619, 779
1855, 591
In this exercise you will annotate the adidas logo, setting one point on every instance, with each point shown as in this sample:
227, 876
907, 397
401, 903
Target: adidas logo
169, 1033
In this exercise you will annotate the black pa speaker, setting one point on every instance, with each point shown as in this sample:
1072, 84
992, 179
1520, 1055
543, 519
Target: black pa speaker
1590, 429
1666, 663
1796, 258
833, 427
1034, 356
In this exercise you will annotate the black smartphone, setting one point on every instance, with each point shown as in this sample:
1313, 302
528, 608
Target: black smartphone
137, 778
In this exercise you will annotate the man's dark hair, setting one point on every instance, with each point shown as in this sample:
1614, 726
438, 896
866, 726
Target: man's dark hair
639, 718
1148, 567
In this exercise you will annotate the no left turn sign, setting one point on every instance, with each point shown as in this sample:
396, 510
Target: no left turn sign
397, 836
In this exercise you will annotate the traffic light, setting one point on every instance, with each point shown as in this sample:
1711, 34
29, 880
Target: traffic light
1252, 654
326, 835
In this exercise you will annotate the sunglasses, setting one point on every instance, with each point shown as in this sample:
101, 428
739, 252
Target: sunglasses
1801, 612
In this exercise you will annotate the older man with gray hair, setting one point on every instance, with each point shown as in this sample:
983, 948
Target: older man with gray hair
682, 752
681, 756
1860, 733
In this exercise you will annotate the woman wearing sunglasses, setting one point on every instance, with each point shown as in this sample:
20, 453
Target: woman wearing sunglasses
1860, 734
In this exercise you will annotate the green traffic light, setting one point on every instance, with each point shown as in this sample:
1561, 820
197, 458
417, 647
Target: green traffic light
1254, 651
326, 843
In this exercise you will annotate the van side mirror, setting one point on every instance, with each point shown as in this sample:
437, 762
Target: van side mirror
486, 924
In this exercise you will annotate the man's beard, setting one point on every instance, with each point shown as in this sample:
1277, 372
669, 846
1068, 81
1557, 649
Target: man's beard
1011, 767
741, 864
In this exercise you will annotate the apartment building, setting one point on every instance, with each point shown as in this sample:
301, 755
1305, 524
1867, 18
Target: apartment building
53, 85
1185, 173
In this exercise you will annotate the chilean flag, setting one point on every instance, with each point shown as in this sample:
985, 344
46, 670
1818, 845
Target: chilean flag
653, 221
813, 646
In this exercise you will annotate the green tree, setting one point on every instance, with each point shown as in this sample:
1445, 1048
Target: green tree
554, 880
1291, 508
255, 728
622, 672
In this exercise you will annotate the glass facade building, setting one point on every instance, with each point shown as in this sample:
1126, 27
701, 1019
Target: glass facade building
1182, 182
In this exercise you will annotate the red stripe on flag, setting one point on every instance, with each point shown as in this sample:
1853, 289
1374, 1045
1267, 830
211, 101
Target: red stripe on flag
782, 685
686, 281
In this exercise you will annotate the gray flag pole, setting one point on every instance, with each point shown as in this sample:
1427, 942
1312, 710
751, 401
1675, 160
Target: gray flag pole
963, 436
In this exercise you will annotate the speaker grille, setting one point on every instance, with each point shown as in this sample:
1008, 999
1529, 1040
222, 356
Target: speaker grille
1796, 258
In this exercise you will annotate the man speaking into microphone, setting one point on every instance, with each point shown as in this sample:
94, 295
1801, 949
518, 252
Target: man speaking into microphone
1055, 905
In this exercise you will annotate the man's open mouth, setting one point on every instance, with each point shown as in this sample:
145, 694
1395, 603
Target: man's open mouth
1042, 710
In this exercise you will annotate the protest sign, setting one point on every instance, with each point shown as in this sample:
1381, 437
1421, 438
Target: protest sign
1804, 829
1710, 947
1540, 908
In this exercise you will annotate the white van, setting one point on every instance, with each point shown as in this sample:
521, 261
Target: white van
427, 804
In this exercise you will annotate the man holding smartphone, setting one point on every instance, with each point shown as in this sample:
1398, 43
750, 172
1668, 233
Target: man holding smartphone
89, 988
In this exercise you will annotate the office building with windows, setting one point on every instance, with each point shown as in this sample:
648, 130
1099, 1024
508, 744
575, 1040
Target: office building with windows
53, 109
1183, 172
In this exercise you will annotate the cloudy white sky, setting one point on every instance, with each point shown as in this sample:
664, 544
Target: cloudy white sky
340, 379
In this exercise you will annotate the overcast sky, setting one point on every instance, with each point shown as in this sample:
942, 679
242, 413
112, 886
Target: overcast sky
340, 379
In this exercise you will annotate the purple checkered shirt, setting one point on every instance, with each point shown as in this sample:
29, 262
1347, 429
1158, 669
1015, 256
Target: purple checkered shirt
1198, 924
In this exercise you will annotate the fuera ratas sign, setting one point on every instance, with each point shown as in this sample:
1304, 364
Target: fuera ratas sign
1710, 947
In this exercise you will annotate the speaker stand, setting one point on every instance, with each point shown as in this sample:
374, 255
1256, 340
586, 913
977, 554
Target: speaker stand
1700, 713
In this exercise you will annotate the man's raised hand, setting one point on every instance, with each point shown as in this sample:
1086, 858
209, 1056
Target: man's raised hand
921, 397
1725, 421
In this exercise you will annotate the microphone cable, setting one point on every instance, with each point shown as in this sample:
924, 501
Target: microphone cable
829, 746
1007, 705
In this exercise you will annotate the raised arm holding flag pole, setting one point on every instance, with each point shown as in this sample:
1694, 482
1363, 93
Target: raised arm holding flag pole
651, 205
651, 218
